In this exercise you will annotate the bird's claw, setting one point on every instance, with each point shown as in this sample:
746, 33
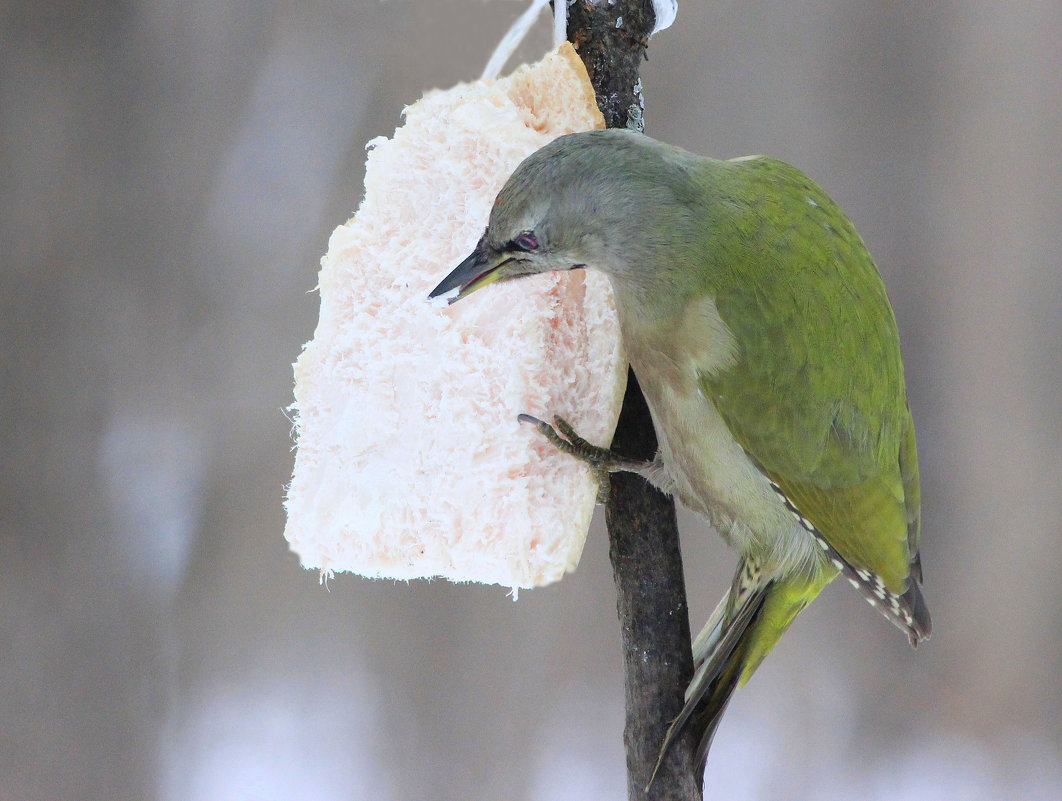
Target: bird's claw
562, 436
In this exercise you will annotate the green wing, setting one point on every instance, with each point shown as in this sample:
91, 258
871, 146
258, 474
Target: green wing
817, 395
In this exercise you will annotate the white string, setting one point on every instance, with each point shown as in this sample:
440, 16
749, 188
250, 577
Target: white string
560, 22
516, 33
665, 11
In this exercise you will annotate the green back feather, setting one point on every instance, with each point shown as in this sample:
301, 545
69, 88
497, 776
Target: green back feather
816, 395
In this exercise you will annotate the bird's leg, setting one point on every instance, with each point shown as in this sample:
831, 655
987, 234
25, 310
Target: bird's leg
601, 460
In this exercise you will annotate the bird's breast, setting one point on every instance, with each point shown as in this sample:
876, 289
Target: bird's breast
706, 467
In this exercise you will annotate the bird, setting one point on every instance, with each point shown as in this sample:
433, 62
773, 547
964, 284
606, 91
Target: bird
760, 332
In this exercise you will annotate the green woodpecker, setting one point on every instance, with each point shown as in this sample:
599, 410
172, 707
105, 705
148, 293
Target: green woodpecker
761, 335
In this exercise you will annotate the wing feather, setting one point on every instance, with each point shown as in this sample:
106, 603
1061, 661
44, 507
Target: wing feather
816, 394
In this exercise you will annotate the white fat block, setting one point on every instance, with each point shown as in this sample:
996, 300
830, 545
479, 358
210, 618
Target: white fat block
410, 461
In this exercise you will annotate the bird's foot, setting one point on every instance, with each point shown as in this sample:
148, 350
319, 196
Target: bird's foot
563, 437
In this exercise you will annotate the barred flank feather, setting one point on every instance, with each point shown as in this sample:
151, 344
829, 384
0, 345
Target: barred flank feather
908, 610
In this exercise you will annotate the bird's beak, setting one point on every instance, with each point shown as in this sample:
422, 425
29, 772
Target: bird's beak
482, 267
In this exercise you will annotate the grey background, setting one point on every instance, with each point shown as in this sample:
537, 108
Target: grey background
169, 174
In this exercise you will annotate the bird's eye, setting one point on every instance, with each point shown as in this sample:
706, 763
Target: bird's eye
525, 241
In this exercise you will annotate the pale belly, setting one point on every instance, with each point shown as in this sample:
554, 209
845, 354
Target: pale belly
706, 469
700, 462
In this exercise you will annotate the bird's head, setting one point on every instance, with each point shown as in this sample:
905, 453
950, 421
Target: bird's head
579, 201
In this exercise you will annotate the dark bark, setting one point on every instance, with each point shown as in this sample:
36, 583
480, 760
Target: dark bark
654, 619
613, 54
643, 534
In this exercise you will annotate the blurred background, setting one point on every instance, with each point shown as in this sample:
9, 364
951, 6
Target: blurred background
170, 171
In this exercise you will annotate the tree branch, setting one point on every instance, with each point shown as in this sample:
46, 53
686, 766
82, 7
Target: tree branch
643, 534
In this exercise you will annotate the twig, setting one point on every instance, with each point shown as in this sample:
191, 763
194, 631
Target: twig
643, 534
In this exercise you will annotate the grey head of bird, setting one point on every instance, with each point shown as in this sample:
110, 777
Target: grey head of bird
611, 200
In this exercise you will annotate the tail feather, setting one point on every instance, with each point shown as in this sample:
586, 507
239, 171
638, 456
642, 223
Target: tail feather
721, 674
716, 677
743, 629
705, 642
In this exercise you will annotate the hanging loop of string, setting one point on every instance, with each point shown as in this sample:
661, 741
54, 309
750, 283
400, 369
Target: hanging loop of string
518, 30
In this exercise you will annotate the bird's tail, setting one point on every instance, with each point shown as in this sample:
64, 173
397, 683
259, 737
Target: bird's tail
739, 634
